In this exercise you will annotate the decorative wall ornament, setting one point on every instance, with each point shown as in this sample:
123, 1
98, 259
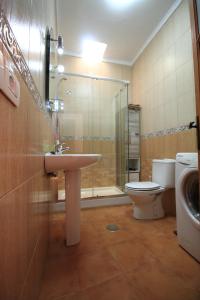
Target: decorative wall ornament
9, 41
164, 132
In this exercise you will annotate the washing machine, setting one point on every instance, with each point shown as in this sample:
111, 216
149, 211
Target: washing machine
187, 203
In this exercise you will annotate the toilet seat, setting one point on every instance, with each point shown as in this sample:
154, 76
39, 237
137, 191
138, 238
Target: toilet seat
144, 192
143, 186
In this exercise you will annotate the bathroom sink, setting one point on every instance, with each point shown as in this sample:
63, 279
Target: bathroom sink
71, 165
69, 162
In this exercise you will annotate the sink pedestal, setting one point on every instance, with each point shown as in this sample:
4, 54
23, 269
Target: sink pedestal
71, 165
72, 204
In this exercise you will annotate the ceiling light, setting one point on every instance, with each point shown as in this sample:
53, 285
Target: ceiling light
119, 3
93, 51
60, 68
59, 40
60, 48
60, 51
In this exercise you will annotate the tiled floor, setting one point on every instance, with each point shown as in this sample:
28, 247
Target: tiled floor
142, 261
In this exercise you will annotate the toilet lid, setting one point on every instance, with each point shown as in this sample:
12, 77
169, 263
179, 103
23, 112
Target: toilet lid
143, 185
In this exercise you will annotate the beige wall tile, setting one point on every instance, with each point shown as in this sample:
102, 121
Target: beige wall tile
163, 76
169, 60
183, 48
185, 78
186, 108
23, 220
187, 141
33, 279
181, 19
26, 133
163, 84
165, 147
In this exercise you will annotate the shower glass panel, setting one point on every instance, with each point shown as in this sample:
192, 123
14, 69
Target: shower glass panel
121, 138
94, 120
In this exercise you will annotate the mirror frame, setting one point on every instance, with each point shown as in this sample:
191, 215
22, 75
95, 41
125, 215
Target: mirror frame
47, 65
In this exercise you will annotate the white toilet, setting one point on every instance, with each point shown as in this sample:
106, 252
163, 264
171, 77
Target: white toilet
146, 195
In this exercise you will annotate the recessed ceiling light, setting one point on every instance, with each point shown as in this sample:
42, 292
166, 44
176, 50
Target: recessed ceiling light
120, 3
93, 51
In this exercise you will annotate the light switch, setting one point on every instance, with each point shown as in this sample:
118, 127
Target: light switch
9, 83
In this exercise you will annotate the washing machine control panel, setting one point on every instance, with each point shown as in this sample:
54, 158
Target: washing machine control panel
187, 159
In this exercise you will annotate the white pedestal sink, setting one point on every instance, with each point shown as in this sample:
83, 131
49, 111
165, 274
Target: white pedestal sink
71, 165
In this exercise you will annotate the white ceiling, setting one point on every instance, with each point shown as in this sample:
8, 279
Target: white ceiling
125, 31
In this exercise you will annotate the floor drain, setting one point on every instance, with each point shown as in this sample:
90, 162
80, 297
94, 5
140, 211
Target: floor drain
112, 227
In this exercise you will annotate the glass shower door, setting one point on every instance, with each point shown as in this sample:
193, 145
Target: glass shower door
94, 120
102, 129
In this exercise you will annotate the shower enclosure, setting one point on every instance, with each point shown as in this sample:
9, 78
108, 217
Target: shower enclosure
94, 120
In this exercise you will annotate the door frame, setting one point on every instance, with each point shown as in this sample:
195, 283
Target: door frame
196, 58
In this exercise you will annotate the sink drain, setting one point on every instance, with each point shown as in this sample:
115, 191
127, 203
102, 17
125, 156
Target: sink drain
112, 227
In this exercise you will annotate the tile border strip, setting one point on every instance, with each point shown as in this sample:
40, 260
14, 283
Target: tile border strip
164, 132
87, 138
158, 133
8, 39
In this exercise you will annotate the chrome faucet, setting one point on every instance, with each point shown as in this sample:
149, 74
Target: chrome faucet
59, 149
65, 149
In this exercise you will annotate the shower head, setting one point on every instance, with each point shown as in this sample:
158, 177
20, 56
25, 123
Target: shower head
59, 81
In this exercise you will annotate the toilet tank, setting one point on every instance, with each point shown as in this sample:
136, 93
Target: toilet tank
163, 172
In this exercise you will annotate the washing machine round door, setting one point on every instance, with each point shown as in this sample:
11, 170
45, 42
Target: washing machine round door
188, 190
